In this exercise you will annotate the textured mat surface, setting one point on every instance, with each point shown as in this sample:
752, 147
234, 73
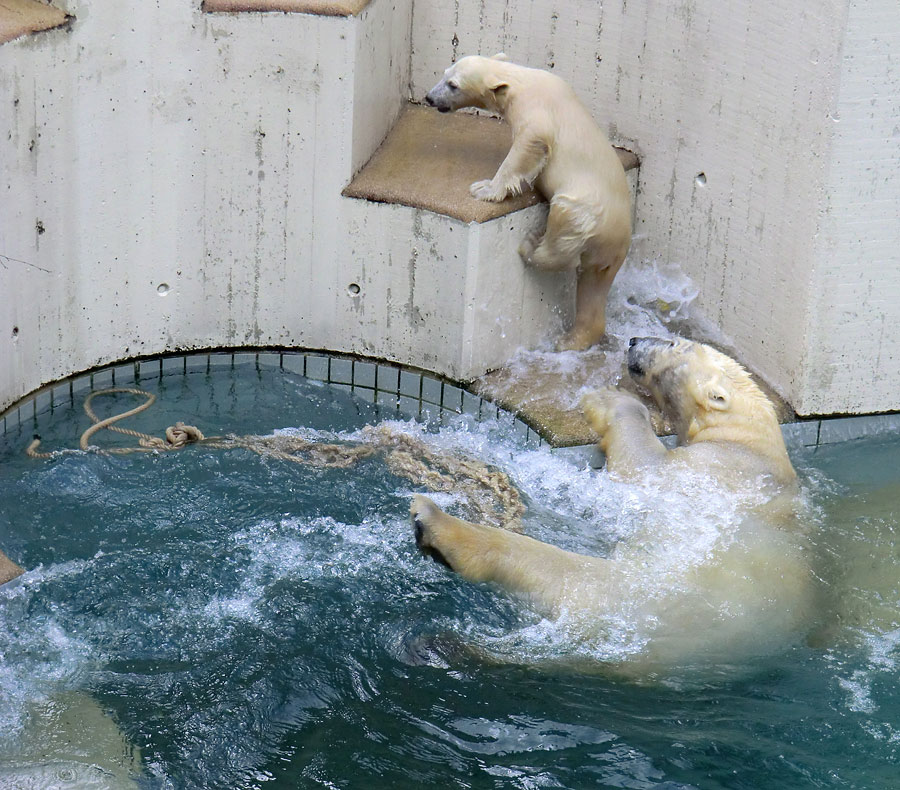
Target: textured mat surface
19, 17
319, 7
429, 159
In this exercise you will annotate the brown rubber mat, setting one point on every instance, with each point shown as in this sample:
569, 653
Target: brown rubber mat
317, 7
429, 159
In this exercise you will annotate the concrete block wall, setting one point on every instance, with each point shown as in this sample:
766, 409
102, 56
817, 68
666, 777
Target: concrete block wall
171, 179
768, 137
453, 297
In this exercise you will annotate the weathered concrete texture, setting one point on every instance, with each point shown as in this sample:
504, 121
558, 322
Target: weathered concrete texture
429, 160
171, 179
318, 7
178, 185
854, 320
769, 169
449, 297
20, 17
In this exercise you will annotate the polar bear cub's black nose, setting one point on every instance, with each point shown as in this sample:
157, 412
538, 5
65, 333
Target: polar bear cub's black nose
429, 100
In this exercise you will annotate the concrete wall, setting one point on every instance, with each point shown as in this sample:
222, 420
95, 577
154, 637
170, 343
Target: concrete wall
769, 144
172, 179
853, 361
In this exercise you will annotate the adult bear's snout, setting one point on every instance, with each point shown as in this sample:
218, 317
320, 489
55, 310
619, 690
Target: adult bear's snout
636, 355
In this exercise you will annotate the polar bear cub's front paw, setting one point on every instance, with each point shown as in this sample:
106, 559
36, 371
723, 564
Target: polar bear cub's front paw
485, 190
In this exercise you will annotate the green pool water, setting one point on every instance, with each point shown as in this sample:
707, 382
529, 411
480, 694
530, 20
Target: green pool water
247, 622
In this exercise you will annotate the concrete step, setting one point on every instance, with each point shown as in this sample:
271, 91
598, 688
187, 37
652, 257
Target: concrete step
475, 303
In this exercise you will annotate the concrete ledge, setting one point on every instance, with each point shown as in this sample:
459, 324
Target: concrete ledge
21, 17
545, 395
317, 7
428, 161
440, 294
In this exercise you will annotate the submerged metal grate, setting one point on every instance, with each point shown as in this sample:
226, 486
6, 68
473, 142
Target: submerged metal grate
404, 391
401, 392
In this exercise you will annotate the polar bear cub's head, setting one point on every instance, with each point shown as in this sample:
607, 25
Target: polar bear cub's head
473, 81
697, 386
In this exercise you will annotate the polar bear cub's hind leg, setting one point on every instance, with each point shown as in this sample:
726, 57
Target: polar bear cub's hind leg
560, 246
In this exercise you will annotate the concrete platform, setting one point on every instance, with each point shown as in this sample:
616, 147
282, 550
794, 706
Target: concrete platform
452, 150
21, 17
544, 389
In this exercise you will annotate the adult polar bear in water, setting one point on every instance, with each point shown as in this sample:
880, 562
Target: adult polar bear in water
558, 147
691, 589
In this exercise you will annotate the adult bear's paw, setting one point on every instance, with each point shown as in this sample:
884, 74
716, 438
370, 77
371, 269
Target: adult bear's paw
605, 407
426, 517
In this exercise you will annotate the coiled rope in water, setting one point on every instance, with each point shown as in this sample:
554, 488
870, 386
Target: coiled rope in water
490, 495
177, 436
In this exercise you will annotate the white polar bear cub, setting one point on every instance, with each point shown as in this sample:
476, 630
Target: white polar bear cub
691, 590
559, 148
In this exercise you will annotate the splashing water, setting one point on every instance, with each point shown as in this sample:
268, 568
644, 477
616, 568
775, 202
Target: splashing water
647, 299
251, 623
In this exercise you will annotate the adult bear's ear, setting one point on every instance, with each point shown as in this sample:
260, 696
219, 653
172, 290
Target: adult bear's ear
711, 393
501, 56
717, 397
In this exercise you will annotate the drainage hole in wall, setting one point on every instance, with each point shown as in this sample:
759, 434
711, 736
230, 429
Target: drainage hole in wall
15, 332
700, 179
353, 289
162, 289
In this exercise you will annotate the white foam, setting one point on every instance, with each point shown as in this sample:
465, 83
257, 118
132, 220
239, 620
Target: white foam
647, 299
880, 654
584, 510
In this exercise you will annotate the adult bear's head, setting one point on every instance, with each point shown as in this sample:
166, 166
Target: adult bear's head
699, 388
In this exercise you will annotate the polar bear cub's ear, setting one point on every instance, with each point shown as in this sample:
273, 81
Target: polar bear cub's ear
501, 56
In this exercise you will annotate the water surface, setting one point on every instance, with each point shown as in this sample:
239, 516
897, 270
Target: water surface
248, 622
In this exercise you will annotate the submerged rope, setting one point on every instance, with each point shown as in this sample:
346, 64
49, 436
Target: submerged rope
177, 436
490, 495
